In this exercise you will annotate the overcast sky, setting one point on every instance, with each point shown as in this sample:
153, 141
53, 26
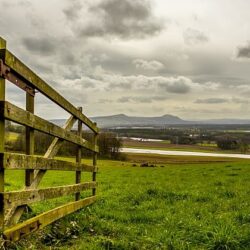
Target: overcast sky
189, 58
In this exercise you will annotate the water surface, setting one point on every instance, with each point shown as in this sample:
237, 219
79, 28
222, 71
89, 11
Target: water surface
182, 153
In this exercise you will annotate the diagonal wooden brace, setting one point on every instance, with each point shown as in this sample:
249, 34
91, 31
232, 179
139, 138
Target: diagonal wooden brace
51, 152
13, 215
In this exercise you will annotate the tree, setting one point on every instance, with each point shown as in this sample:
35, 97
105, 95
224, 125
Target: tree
227, 142
244, 147
109, 145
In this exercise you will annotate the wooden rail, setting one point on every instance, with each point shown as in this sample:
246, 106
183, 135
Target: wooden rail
19, 198
18, 115
35, 82
22, 161
20, 230
12, 204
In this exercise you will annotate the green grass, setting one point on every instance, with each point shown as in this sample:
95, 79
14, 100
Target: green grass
11, 136
207, 144
165, 142
176, 159
180, 206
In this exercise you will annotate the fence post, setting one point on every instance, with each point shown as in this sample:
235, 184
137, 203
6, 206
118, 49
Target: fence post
79, 156
2, 141
94, 163
29, 174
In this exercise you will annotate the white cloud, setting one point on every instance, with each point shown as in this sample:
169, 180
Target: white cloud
148, 65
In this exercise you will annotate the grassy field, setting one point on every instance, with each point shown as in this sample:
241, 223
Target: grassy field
165, 145
171, 206
175, 159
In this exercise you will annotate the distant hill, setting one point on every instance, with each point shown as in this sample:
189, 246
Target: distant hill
226, 121
122, 120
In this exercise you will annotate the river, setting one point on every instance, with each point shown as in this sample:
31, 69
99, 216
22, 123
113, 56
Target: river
183, 153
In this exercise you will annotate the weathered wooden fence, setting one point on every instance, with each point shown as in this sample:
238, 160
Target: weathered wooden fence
13, 204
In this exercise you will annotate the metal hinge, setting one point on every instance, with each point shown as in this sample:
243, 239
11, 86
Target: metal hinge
6, 73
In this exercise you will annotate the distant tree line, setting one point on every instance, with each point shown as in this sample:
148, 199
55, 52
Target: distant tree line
109, 144
228, 142
184, 140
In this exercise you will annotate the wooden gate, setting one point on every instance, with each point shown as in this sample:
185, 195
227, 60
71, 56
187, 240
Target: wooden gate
13, 204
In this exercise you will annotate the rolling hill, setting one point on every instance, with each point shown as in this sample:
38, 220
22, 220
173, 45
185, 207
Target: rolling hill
122, 120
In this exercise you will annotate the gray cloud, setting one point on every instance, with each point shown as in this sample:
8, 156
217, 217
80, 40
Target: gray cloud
136, 99
212, 100
72, 11
42, 67
240, 100
193, 37
124, 19
92, 67
140, 99
104, 101
179, 85
235, 100
120, 86
22, 3
178, 88
124, 99
175, 85
243, 51
39, 45
148, 65
222, 80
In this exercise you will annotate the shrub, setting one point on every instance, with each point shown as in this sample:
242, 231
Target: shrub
227, 143
184, 140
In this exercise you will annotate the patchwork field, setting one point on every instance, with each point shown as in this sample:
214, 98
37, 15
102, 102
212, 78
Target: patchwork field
165, 145
196, 205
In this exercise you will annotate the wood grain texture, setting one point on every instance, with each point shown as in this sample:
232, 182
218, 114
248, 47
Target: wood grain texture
94, 164
2, 141
18, 198
78, 156
16, 161
20, 230
29, 139
18, 115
